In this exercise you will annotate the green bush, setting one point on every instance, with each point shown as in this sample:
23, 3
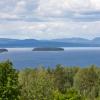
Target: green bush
9, 89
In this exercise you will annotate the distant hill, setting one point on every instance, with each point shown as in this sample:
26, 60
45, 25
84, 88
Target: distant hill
96, 40
79, 40
71, 42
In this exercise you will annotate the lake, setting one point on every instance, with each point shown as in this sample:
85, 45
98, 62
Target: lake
25, 57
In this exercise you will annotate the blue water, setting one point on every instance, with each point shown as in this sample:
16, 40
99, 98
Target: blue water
25, 57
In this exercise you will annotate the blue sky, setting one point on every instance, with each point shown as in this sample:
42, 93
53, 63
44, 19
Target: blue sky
49, 19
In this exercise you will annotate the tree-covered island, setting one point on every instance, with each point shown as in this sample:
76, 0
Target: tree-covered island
48, 49
3, 50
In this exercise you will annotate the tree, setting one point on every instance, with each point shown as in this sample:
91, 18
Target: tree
86, 81
9, 89
64, 77
71, 94
36, 84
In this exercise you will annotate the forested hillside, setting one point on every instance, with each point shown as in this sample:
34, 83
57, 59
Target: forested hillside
59, 83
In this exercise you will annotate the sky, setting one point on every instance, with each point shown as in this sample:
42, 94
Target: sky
49, 19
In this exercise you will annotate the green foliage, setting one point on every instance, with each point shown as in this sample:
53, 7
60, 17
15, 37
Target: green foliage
60, 83
9, 89
86, 82
36, 84
60, 78
64, 77
71, 94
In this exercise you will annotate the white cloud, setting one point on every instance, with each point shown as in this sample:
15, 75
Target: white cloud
52, 7
49, 30
20, 7
49, 18
67, 8
62, 7
95, 4
7, 16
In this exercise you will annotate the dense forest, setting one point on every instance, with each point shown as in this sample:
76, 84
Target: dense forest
59, 83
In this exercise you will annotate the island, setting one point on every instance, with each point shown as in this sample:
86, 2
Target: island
3, 50
48, 49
